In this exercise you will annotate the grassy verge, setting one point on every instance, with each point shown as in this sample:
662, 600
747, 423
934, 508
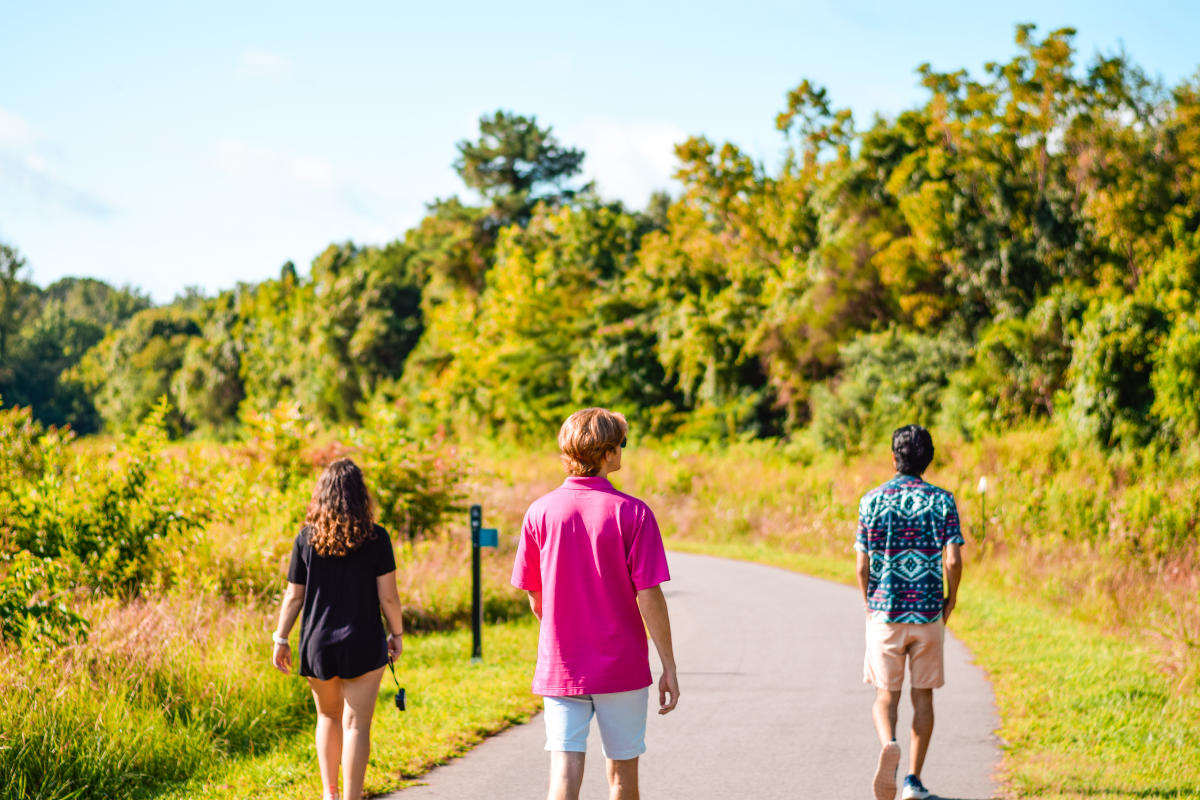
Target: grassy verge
151, 715
1083, 714
452, 705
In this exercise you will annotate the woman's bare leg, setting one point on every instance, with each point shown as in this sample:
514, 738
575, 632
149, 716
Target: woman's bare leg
328, 697
360, 694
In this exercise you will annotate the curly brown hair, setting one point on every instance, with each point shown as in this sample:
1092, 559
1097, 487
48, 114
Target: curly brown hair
339, 512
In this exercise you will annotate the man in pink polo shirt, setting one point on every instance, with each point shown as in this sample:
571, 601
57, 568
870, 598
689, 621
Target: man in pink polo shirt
592, 560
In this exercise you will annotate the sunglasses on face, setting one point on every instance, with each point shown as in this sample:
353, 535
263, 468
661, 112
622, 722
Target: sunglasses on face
624, 441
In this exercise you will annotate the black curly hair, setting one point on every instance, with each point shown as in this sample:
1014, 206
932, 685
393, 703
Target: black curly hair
913, 448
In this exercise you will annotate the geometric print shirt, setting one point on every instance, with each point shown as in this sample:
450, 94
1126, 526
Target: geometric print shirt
903, 526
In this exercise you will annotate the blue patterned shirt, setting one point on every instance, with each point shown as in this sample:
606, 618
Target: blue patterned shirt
904, 525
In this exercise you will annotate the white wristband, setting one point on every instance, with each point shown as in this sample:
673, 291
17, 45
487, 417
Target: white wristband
279, 639
394, 636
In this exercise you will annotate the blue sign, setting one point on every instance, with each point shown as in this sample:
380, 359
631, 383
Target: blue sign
489, 537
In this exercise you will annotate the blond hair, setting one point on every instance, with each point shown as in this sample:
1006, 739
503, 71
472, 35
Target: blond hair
587, 437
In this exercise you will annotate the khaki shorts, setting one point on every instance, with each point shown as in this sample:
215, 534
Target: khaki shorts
890, 643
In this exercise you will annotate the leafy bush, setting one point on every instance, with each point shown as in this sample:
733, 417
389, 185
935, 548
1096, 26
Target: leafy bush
22, 441
889, 379
107, 521
1020, 364
415, 483
32, 600
1175, 380
1110, 391
279, 438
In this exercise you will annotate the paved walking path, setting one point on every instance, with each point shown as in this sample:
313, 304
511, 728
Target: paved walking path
772, 704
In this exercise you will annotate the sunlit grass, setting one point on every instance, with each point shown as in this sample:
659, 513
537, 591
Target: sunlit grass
452, 705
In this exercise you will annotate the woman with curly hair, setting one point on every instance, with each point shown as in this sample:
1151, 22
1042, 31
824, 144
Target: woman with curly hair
342, 573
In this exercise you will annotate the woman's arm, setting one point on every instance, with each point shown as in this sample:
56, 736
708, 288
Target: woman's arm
393, 612
289, 609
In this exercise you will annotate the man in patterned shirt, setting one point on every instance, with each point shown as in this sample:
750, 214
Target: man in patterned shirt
906, 527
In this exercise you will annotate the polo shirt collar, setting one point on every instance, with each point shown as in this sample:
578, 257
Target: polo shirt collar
575, 482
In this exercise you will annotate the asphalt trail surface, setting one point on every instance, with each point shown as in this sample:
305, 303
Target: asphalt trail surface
772, 704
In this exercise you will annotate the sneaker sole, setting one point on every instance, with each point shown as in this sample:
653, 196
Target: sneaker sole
885, 772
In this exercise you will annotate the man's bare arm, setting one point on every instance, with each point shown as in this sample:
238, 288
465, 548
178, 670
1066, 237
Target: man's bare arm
862, 563
654, 611
952, 556
535, 603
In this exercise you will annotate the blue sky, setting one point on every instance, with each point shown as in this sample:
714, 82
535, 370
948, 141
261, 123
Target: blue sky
167, 145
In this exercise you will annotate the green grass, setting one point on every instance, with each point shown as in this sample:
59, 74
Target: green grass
158, 718
1083, 714
452, 705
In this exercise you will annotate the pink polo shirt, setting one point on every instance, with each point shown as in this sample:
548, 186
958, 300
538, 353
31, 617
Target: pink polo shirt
589, 549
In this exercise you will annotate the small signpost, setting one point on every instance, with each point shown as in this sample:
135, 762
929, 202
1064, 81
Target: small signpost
480, 537
983, 487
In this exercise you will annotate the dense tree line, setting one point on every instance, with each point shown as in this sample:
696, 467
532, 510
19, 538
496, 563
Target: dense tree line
1023, 244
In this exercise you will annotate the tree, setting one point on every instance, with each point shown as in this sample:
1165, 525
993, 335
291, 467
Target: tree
134, 367
13, 294
1110, 388
208, 385
515, 164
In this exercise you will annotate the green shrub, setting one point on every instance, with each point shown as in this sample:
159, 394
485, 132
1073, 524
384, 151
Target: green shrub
22, 440
1110, 390
415, 482
1175, 380
278, 438
107, 521
889, 379
33, 593
1019, 365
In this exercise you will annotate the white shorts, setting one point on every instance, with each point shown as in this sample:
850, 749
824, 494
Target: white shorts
621, 717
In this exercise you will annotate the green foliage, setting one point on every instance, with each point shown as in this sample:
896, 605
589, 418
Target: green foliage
993, 212
134, 366
415, 482
278, 438
23, 442
208, 385
518, 361
13, 293
1111, 394
889, 379
1175, 380
109, 526
327, 343
512, 161
1019, 364
33, 605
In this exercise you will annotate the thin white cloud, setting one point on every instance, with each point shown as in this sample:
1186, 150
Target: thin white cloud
29, 183
263, 64
26, 186
628, 160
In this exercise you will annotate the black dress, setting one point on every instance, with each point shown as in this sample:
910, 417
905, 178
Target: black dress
341, 632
